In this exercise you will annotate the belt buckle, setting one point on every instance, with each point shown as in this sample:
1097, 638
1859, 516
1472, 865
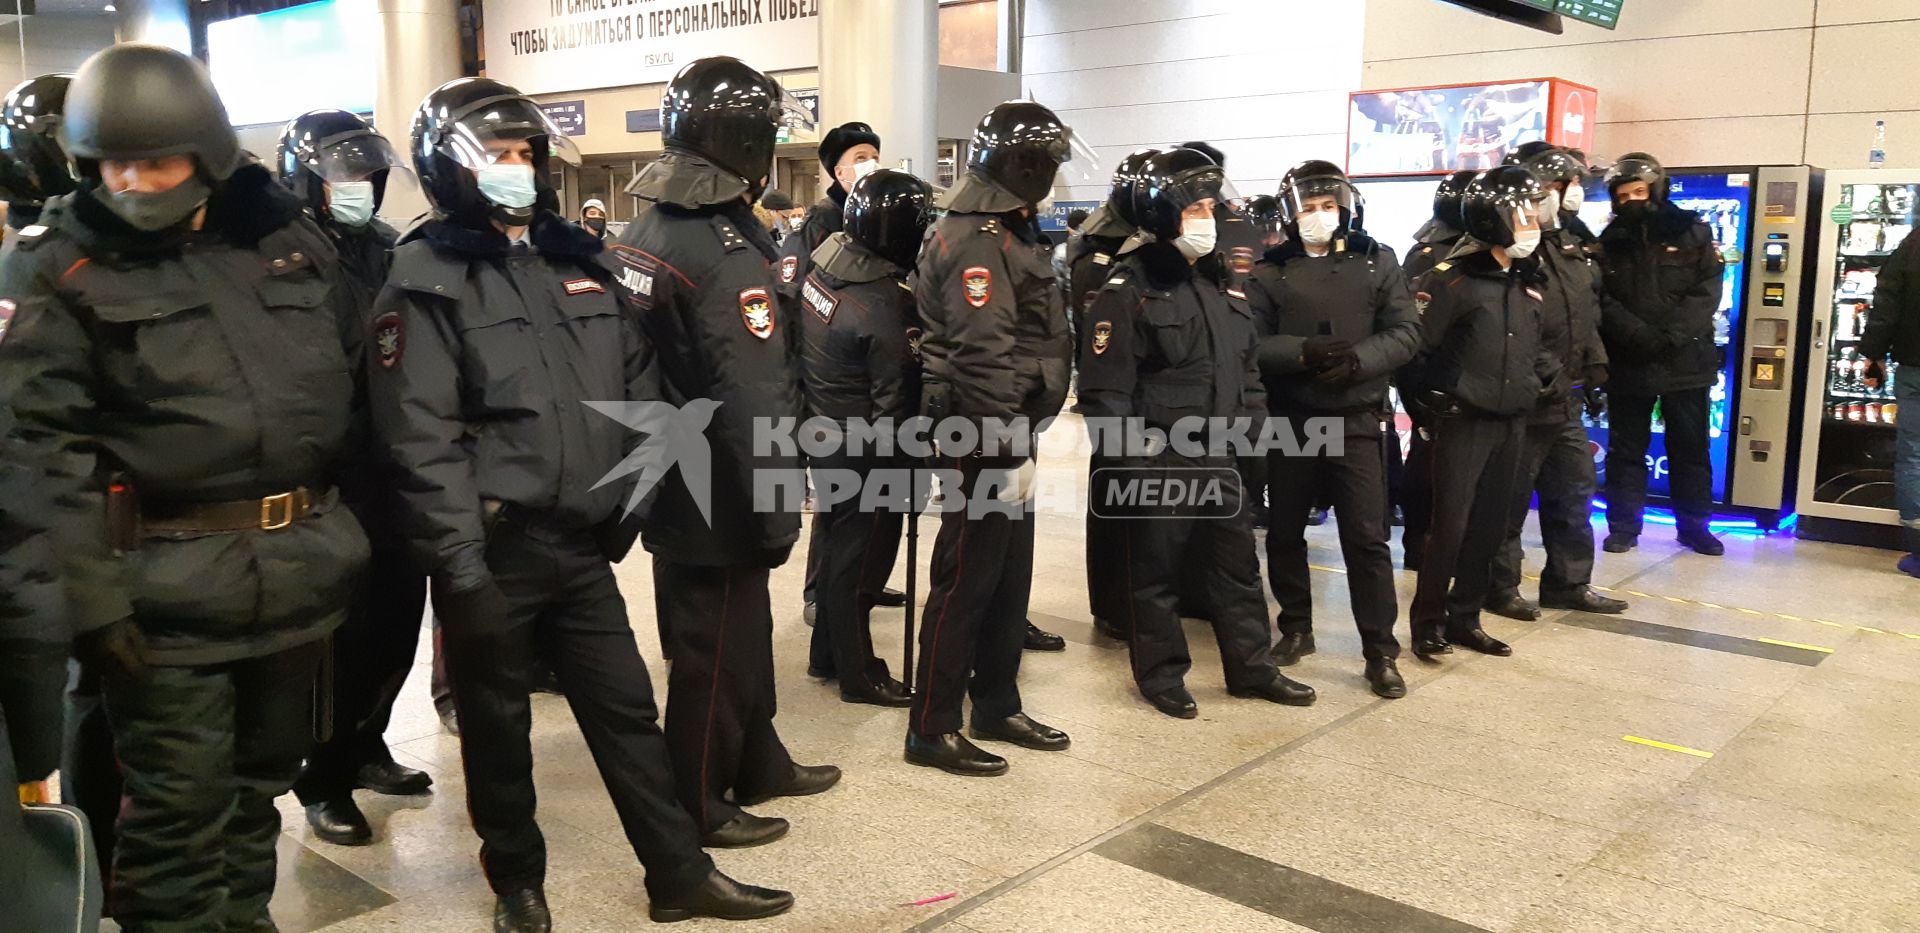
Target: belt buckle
284, 502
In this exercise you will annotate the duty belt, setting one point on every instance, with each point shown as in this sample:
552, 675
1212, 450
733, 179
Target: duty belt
271, 513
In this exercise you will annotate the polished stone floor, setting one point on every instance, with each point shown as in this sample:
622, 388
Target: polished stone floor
1503, 794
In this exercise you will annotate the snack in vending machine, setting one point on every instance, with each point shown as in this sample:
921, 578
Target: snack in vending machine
1856, 411
1890, 412
1873, 413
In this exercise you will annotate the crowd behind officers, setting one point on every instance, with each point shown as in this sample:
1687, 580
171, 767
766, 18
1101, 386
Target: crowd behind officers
245, 429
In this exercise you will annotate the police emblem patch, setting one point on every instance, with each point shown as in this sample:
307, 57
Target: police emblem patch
756, 311
1420, 302
389, 339
789, 267
1102, 336
913, 343
979, 283
1241, 261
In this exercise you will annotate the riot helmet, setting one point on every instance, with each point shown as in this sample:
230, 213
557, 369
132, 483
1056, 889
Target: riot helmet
1173, 181
888, 212
1447, 199
1318, 187
1264, 212
135, 101
1638, 166
33, 167
1125, 176
1502, 204
1023, 146
337, 164
724, 111
459, 133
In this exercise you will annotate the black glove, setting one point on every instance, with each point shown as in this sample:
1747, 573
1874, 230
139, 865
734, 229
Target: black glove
1596, 402
118, 650
1341, 369
478, 611
1318, 353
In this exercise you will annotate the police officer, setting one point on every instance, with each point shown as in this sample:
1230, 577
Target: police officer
497, 326
1663, 279
1555, 460
1092, 259
1171, 340
859, 349
1337, 318
699, 277
340, 169
1240, 238
1483, 372
183, 373
996, 350
1432, 242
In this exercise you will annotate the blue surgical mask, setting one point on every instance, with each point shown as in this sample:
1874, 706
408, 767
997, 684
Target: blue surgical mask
507, 185
350, 203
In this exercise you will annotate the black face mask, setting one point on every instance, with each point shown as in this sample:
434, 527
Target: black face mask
1634, 209
597, 224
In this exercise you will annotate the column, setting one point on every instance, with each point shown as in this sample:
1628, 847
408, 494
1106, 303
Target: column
419, 51
878, 63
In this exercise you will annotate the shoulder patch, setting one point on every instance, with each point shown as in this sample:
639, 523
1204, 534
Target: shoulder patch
756, 312
390, 339
33, 231
730, 237
1442, 267
1102, 336
789, 266
819, 300
1241, 260
978, 281
914, 336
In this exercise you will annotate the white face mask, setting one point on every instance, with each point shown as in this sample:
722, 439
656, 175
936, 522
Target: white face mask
1319, 228
1524, 243
351, 202
1197, 237
795, 223
1574, 197
1550, 211
864, 168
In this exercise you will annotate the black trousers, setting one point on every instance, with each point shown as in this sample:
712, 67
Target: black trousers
1355, 482
1689, 467
1416, 494
720, 696
1555, 462
1222, 552
204, 751
564, 609
89, 771
857, 555
816, 556
1107, 591
372, 655
972, 632
1476, 459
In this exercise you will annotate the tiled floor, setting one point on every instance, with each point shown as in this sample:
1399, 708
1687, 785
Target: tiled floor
1501, 795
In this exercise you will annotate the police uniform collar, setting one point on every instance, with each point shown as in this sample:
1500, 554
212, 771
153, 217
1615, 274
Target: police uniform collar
842, 257
837, 194
1354, 243
975, 193
1162, 265
1104, 223
685, 179
1437, 231
549, 234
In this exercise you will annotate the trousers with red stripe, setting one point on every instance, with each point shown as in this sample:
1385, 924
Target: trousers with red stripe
975, 623
720, 696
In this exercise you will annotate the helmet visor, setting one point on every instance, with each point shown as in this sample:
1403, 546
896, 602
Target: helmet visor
358, 157
1208, 183
491, 128
1314, 195
1079, 164
1557, 166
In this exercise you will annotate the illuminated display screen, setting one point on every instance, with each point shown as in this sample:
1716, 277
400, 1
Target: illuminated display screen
272, 67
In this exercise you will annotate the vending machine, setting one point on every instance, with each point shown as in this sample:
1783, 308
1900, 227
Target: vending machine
1846, 456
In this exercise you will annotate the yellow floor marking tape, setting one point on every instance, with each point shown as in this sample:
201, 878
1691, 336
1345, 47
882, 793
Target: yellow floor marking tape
1795, 644
1682, 749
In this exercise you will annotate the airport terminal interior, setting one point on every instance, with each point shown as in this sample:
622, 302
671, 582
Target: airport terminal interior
1737, 750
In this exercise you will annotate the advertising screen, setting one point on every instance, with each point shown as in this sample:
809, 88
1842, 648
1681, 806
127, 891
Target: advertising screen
272, 67
1397, 208
1725, 202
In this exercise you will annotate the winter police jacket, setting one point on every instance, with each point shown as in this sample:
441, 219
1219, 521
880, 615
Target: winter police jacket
1432, 243
1482, 333
34, 638
701, 283
371, 484
1893, 325
824, 219
859, 336
484, 360
1167, 340
205, 367
1663, 279
1356, 293
1569, 318
996, 343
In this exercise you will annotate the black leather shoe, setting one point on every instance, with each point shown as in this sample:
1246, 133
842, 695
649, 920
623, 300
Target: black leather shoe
890, 598
1176, 702
953, 754
744, 832
888, 692
1430, 646
810, 613
1620, 543
1038, 640
1316, 517
1384, 677
544, 681
1478, 640
1583, 599
449, 719
522, 911
722, 898
807, 780
820, 673
1283, 690
340, 822
1703, 542
1291, 647
1107, 629
394, 779
1513, 606
1021, 730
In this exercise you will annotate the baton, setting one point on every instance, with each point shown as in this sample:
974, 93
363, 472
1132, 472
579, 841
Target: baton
913, 568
